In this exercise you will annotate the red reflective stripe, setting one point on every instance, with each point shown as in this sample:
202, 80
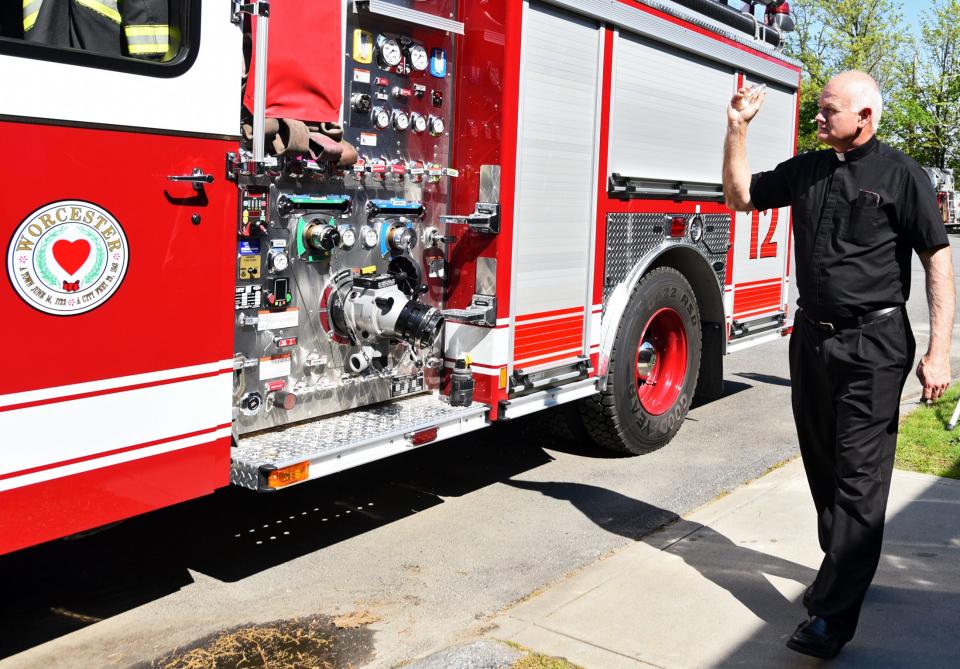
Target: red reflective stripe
111, 391
771, 280
752, 299
548, 314
125, 449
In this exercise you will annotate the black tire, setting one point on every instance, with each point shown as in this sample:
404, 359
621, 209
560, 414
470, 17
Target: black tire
616, 418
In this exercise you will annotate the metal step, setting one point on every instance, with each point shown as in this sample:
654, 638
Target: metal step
352, 438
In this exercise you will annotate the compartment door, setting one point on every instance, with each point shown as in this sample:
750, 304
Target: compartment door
118, 303
554, 224
758, 280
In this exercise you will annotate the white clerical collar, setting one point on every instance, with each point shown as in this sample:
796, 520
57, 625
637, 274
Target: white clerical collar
841, 157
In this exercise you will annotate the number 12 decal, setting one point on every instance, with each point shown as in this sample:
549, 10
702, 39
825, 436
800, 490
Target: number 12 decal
768, 248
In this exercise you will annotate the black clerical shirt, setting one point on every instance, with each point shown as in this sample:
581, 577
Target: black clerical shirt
856, 217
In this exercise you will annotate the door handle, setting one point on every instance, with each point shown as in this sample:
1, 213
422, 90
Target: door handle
197, 178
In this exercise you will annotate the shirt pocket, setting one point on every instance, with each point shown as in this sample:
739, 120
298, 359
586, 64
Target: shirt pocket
866, 218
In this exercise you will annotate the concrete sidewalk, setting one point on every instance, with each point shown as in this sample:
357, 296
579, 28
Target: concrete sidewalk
721, 587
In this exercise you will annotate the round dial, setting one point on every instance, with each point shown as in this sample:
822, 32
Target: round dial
400, 120
418, 122
369, 237
279, 261
418, 57
390, 53
436, 125
381, 117
348, 237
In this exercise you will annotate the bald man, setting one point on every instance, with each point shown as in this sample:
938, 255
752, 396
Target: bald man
859, 209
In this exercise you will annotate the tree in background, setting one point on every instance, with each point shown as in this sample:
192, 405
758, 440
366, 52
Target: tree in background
837, 35
925, 108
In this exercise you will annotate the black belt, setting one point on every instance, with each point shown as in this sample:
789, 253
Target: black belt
834, 324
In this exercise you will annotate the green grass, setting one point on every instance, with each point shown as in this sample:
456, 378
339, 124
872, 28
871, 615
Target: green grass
532, 660
537, 661
925, 445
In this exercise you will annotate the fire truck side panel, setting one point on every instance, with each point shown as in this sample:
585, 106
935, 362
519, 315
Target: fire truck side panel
758, 281
485, 133
557, 150
693, 58
203, 99
118, 398
668, 113
603, 205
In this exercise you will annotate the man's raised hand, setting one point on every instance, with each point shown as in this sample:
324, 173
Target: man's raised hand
745, 104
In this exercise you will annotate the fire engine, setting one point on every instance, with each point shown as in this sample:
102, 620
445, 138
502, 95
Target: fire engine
947, 199
259, 243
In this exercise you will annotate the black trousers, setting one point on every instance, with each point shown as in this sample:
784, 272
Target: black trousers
846, 389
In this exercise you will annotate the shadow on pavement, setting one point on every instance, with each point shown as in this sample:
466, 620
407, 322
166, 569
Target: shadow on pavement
59, 587
738, 570
766, 378
909, 617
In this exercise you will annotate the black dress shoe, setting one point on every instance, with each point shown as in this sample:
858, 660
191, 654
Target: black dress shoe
817, 638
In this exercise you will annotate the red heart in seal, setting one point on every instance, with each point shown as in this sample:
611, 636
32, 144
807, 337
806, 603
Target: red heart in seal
71, 255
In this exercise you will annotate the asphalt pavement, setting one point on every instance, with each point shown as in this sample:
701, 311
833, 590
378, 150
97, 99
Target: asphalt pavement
721, 586
446, 544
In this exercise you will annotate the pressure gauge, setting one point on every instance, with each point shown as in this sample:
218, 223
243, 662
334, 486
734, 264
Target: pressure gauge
368, 237
418, 122
400, 120
279, 261
418, 58
348, 237
436, 126
381, 117
389, 49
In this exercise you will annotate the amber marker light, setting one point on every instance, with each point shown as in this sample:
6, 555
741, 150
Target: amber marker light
280, 478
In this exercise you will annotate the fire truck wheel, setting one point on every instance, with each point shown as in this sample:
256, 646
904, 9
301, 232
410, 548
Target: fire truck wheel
653, 368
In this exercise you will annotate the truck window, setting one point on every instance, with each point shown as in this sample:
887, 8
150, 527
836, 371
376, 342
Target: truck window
149, 31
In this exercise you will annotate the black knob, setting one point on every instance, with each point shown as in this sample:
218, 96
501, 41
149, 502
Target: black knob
250, 404
323, 237
361, 103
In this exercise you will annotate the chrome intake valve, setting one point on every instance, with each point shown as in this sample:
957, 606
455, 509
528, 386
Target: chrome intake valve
322, 236
401, 238
376, 310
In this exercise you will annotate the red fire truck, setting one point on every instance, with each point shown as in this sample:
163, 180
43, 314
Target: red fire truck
258, 243
947, 200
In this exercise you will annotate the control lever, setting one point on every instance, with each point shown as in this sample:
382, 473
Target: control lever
485, 219
432, 237
197, 178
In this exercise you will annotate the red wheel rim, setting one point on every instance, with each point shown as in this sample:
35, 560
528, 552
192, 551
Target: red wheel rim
661, 361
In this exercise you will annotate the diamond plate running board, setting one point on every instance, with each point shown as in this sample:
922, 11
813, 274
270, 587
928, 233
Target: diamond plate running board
350, 439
